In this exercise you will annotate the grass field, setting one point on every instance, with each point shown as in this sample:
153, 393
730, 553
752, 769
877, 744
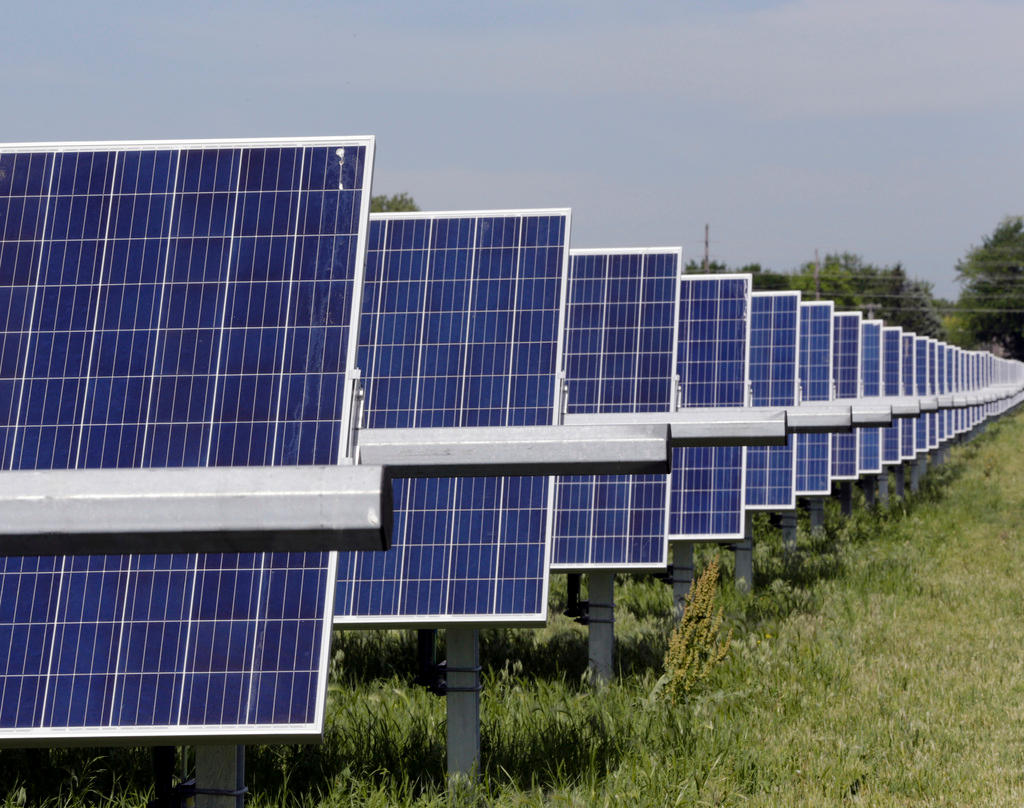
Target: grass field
881, 665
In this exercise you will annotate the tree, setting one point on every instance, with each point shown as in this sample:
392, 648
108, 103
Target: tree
884, 293
992, 295
396, 203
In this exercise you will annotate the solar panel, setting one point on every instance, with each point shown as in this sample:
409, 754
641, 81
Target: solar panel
621, 332
173, 304
908, 426
960, 382
774, 344
892, 348
950, 388
707, 482
846, 376
933, 390
869, 450
814, 451
942, 388
461, 326
921, 389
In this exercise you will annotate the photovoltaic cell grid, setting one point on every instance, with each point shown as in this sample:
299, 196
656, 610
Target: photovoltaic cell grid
173, 304
774, 344
908, 426
846, 375
869, 450
921, 389
950, 388
942, 388
813, 451
707, 482
620, 341
892, 337
933, 390
461, 324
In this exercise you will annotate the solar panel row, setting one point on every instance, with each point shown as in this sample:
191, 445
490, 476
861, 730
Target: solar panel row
707, 496
814, 451
461, 325
621, 334
173, 304
774, 345
189, 304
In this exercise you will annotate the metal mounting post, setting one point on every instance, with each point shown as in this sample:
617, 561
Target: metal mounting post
682, 575
883, 487
220, 776
869, 485
601, 626
899, 478
744, 551
789, 531
816, 512
846, 498
163, 777
463, 702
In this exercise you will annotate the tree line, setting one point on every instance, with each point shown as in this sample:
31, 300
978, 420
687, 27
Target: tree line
989, 313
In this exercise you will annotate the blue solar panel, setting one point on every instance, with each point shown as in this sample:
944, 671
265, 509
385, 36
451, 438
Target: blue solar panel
869, 439
959, 365
173, 304
941, 387
846, 375
908, 426
892, 350
461, 326
950, 388
707, 482
774, 344
933, 390
620, 341
814, 451
921, 389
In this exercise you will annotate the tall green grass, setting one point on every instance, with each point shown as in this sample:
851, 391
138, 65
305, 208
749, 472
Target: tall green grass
879, 664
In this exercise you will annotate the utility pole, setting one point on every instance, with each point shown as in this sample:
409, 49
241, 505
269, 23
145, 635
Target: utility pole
706, 248
817, 279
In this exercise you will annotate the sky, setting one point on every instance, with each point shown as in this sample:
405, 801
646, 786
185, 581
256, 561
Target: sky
887, 128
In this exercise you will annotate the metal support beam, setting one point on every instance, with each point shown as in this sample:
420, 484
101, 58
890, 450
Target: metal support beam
682, 575
899, 477
188, 510
918, 472
816, 512
601, 626
846, 498
869, 485
696, 426
220, 776
789, 531
484, 451
463, 702
744, 551
883, 488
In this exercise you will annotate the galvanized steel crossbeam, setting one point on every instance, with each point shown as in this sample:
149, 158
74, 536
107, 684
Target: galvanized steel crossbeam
188, 510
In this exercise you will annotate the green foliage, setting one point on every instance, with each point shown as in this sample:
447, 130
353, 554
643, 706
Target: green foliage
696, 646
882, 292
395, 203
992, 299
